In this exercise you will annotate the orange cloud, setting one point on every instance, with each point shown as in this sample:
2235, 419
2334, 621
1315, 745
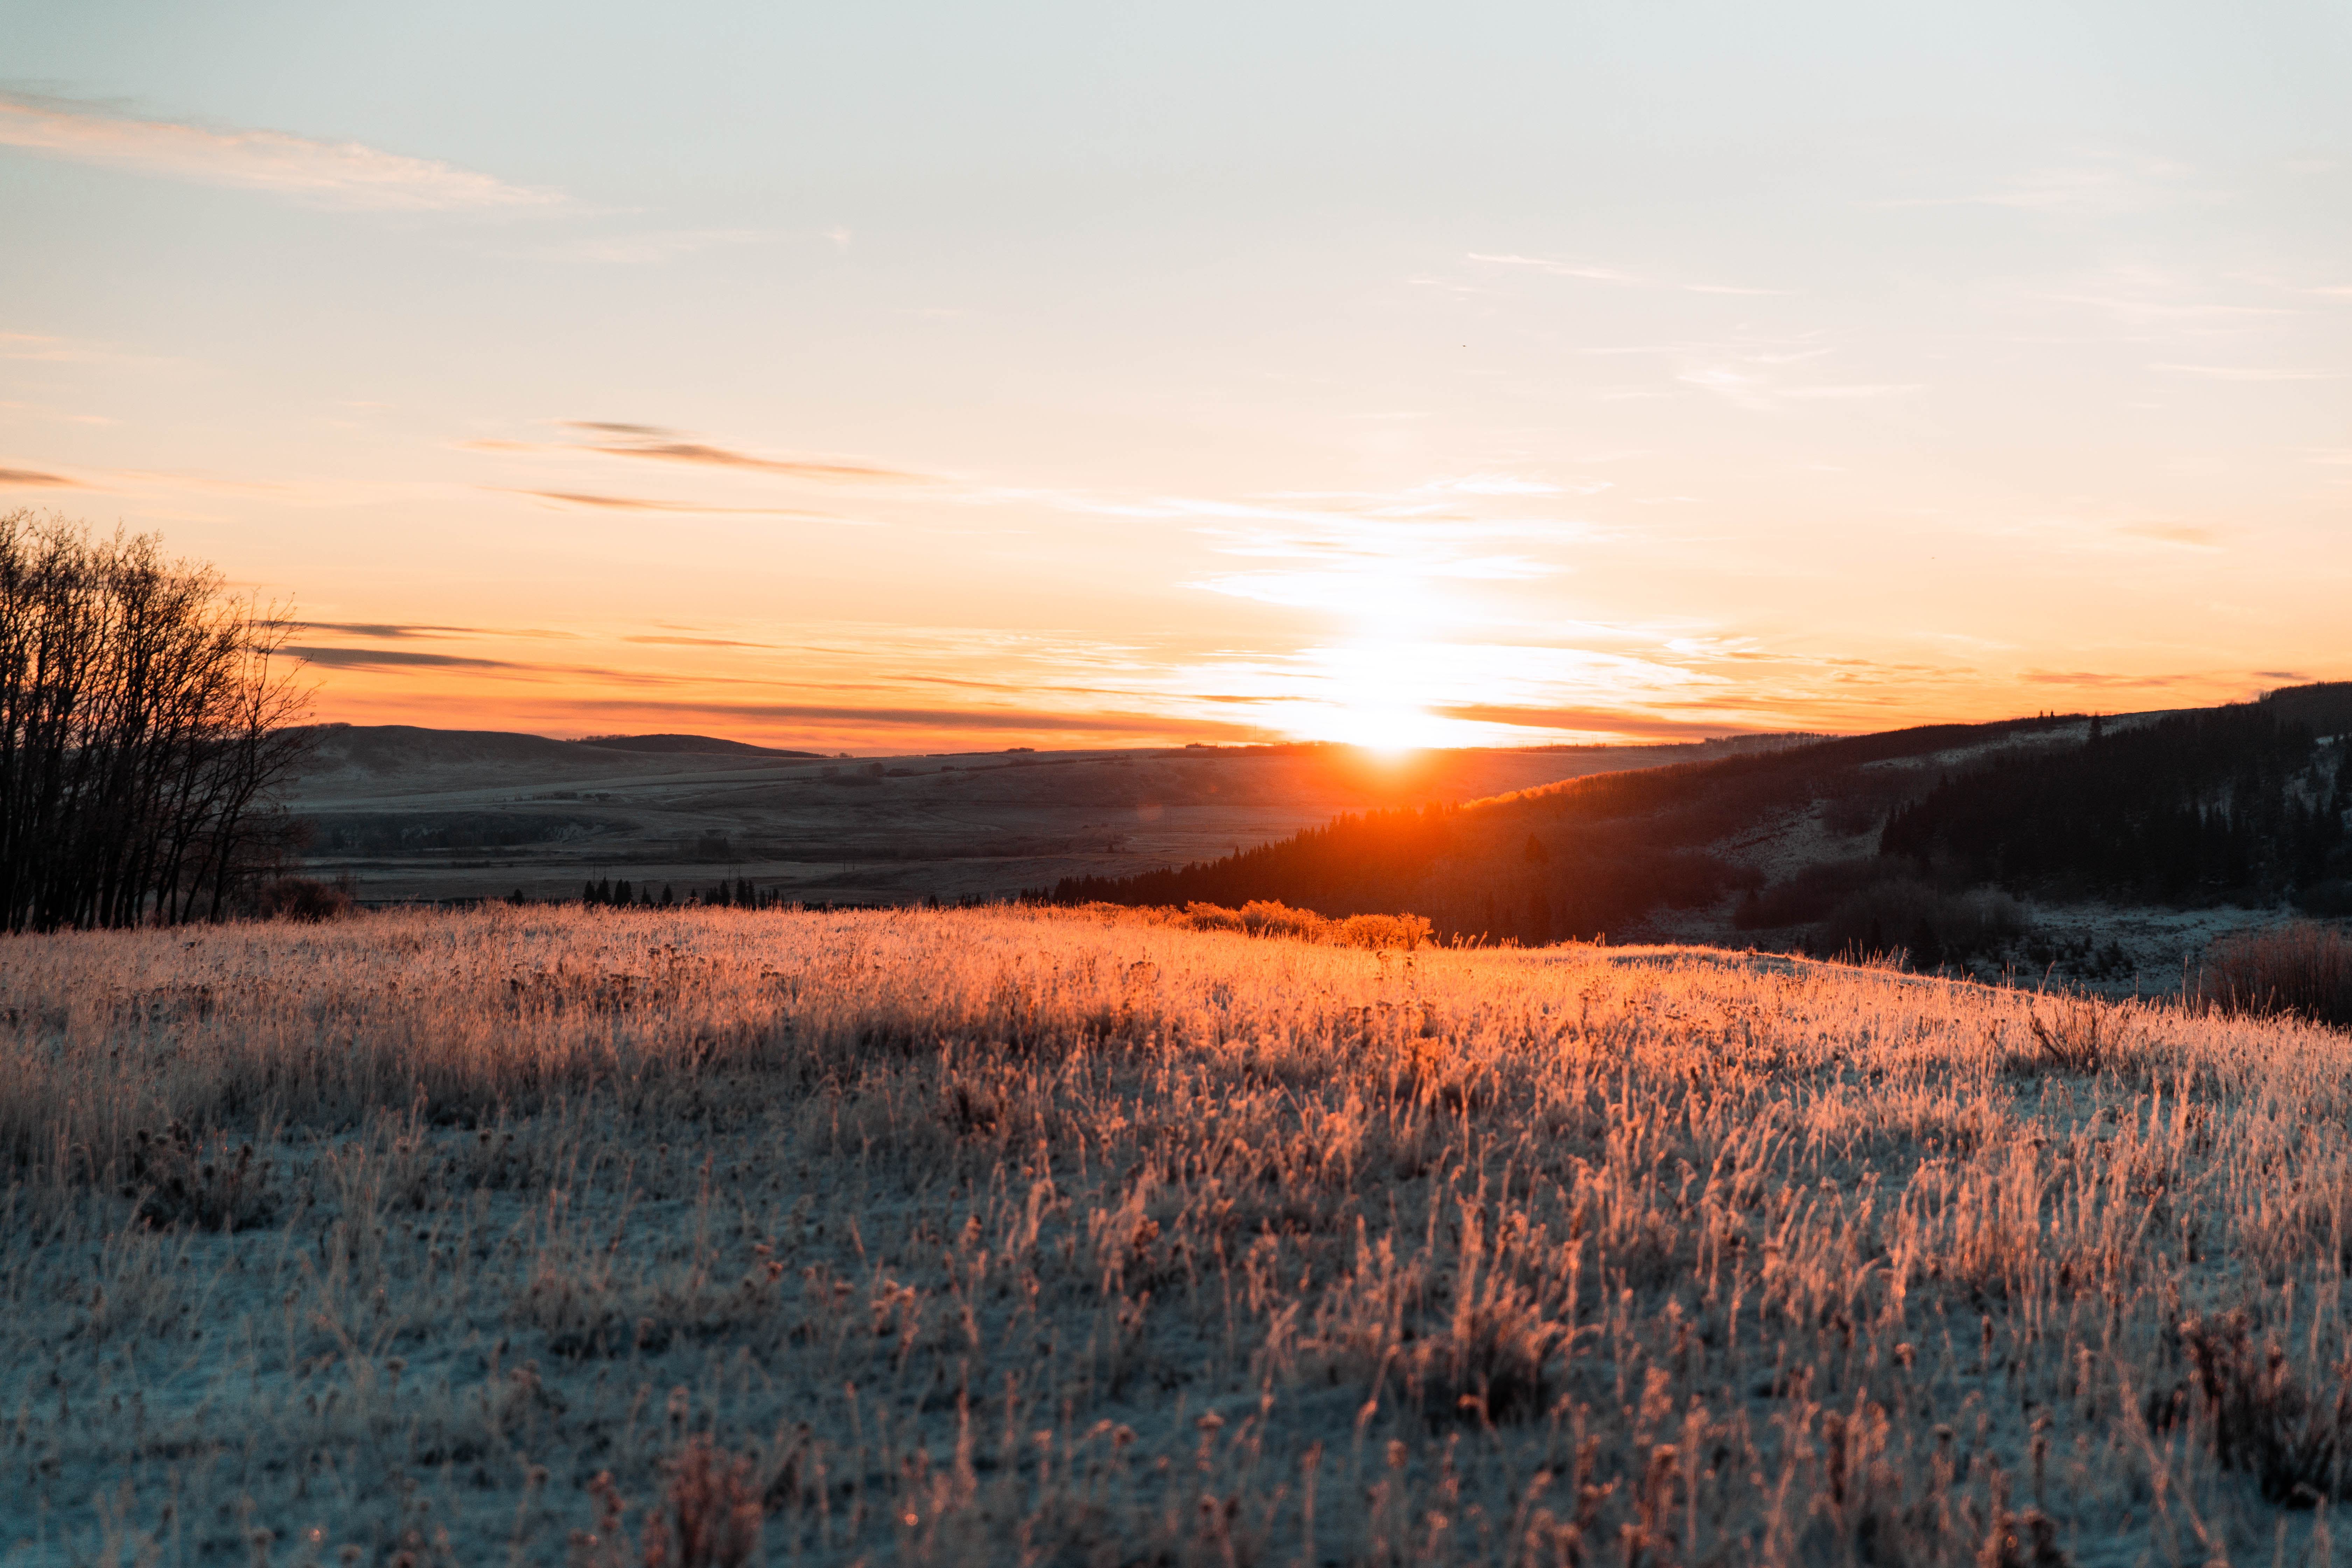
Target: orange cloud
652, 441
640, 503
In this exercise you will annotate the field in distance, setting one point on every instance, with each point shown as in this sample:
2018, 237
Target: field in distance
1053, 1236
438, 814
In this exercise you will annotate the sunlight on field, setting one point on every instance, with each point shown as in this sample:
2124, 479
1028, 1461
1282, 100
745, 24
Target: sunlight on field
1072, 1237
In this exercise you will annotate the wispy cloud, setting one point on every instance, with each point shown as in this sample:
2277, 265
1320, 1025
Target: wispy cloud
38, 411
2096, 186
653, 442
2099, 680
1596, 274
1761, 389
1600, 720
39, 348
391, 658
2179, 533
32, 478
2248, 372
642, 503
649, 248
941, 718
699, 642
1379, 554
398, 630
322, 174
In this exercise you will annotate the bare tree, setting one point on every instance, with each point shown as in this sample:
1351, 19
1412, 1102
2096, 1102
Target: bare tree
145, 728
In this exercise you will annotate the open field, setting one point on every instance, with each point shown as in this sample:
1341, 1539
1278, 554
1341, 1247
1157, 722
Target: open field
1005, 1236
438, 814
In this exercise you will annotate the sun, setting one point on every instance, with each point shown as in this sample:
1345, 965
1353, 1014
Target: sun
1387, 731
1388, 699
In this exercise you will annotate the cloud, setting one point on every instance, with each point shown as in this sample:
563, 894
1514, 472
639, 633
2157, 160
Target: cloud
387, 629
2106, 679
700, 642
663, 445
2248, 372
645, 249
1758, 389
1585, 721
391, 658
2115, 186
640, 503
28, 478
2176, 533
1610, 275
39, 412
319, 174
950, 718
36, 347
1562, 268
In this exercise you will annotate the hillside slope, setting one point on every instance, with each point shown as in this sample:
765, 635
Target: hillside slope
1880, 840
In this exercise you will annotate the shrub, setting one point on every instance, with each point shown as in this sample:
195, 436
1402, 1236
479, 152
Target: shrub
1264, 916
1813, 892
301, 898
2263, 1419
1938, 928
2303, 968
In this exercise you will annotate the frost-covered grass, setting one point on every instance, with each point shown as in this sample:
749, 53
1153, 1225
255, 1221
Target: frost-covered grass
1069, 1238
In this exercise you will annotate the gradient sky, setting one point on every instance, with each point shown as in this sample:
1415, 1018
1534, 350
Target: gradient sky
890, 377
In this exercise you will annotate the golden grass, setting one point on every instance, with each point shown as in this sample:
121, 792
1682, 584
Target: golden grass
1068, 1237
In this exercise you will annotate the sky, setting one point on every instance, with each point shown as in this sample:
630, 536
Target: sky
893, 377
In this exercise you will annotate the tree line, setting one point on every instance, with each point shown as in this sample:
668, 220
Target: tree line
2237, 805
145, 728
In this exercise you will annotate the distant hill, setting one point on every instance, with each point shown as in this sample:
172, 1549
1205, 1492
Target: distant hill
367, 758
2239, 803
686, 745
380, 747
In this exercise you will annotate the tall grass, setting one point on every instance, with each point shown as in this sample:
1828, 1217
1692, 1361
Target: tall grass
2303, 968
1056, 1237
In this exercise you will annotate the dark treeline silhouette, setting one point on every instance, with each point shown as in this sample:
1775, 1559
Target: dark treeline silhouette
143, 729
1570, 860
2237, 804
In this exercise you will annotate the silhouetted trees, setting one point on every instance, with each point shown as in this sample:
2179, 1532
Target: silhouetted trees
2235, 803
143, 731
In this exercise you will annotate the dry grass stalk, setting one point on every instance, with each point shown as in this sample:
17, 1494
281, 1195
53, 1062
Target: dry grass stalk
1066, 1237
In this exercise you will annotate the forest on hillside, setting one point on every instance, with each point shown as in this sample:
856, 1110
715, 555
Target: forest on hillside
2238, 804
2243, 802
1577, 859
